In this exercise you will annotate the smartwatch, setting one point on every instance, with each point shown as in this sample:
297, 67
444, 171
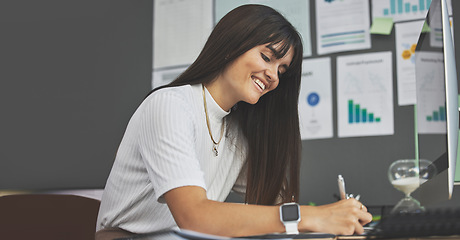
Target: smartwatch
290, 217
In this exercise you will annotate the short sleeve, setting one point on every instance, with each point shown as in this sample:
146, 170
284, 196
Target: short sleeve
167, 141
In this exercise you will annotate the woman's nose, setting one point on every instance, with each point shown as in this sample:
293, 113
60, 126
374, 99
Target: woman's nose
272, 75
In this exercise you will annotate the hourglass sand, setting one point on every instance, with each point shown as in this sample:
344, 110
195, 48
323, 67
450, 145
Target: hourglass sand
407, 175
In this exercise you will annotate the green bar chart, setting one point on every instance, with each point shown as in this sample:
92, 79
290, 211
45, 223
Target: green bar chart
439, 115
358, 114
403, 7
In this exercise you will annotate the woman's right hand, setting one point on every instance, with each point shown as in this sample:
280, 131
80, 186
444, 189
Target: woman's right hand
345, 217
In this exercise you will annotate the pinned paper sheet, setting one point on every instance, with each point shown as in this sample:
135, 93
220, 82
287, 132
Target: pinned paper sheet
382, 25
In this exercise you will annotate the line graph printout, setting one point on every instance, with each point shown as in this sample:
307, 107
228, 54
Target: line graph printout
296, 12
315, 100
431, 100
407, 34
365, 95
342, 25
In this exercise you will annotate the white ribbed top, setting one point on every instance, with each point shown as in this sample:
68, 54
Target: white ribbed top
167, 145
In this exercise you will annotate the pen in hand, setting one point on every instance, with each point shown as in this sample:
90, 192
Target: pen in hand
341, 183
343, 193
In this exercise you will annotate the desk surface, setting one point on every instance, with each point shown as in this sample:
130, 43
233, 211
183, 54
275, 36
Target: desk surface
185, 234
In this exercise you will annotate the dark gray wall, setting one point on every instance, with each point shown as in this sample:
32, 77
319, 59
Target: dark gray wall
72, 73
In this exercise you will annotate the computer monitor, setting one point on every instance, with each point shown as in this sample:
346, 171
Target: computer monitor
437, 103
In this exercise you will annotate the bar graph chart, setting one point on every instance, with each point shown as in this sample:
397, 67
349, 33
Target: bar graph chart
358, 114
400, 10
364, 95
400, 7
438, 115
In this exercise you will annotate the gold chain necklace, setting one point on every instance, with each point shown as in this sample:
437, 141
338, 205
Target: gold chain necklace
215, 144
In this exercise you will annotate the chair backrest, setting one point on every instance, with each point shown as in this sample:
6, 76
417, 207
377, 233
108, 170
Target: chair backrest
48, 216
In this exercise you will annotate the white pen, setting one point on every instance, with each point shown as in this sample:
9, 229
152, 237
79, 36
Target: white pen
341, 182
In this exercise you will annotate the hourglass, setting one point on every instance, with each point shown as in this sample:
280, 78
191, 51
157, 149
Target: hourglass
407, 175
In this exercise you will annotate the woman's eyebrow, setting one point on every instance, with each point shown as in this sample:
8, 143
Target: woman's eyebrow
274, 51
277, 54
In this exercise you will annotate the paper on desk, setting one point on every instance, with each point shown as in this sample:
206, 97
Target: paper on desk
189, 234
284, 236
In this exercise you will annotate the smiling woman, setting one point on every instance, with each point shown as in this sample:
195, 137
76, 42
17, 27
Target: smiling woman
249, 77
229, 122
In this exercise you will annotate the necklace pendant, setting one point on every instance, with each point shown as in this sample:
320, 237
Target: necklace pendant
214, 149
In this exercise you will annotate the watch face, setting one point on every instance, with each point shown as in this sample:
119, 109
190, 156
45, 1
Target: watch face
290, 212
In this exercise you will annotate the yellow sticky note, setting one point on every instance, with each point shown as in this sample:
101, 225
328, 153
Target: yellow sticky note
382, 26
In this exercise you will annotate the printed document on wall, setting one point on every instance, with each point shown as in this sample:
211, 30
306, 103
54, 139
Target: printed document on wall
431, 99
406, 40
365, 95
297, 12
315, 100
403, 10
180, 31
342, 25
165, 76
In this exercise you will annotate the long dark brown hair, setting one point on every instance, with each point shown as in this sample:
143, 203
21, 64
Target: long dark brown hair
271, 126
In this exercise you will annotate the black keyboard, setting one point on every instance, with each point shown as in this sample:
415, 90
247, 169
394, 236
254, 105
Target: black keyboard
432, 222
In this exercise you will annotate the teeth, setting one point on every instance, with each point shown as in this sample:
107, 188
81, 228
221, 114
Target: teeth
261, 84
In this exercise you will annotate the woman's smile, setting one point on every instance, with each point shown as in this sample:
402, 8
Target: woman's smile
259, 83
250, 76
